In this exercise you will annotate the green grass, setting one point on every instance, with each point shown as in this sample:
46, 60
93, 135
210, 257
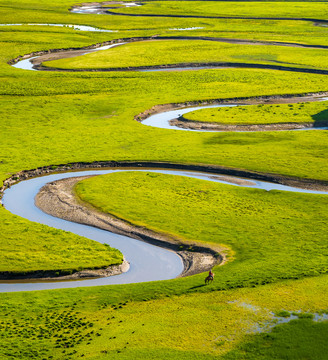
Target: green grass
234, 8
30, 11
146, 321
300, 339
28, 247
263, 114
88, 124
152, 53
272, 235
55, 118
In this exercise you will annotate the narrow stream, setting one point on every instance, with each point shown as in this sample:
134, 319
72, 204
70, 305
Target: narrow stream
162, 120
101, 9
71, 26
27, 64
147, 262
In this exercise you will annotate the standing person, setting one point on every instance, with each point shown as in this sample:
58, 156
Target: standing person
211, 274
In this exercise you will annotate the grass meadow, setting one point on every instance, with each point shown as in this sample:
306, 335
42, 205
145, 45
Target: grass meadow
27, 247
152, 53
277, 241
263, 114
256, 9
176, 319
268, 233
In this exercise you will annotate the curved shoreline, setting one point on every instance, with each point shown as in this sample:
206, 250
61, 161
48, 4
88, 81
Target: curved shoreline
188, 66
215, 169
196, 258
50, 275
256, 100
302, 183
185, 123
177, 121
314, 21
58, 199
147, 262
62, 53
200, 258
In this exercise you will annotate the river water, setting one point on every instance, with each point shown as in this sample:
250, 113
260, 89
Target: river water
147, 262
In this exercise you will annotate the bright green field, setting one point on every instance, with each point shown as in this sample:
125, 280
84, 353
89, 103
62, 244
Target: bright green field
97, 121
42, 12
27, 247
165, 320
276, 9
151, 53
51, 118
263, 114
268, 232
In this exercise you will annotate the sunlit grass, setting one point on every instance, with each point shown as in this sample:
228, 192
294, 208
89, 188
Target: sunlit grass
274, 9
273, 234
142, 322
27, 247
152, 53
263, 114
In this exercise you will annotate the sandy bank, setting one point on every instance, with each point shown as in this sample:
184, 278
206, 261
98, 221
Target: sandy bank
211, 126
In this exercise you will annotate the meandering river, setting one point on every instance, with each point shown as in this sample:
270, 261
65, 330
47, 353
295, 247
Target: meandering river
160, 264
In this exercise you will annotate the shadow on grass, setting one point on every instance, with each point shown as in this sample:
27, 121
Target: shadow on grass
233, 138
320, 119
299, 339
245, 138
197, 287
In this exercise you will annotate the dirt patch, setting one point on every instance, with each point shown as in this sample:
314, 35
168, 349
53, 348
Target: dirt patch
232, 180
59, 55
58, 199
191, 66
184, 123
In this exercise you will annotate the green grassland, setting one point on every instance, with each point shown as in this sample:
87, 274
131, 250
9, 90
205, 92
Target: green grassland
94, 122
152, 53
165, 320
28, 247
56, 12
263, 114
77, 116
277, 9
268, 232
41, 12
51, 118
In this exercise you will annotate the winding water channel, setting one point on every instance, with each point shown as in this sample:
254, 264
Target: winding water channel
35, 62
163, 120
147, 262
71, 26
